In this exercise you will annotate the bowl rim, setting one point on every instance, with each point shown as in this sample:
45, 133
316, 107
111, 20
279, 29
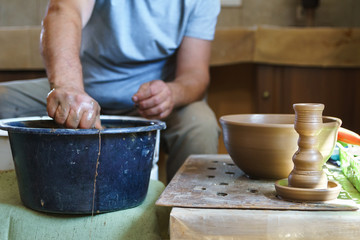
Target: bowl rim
225, 119
154, 126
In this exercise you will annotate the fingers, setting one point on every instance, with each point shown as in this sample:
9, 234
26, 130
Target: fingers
72, 120
148, 90
155, 113
154, 100
144, 92
98, 123
156, 106
52, 103
61, 114
90, 118
73, 109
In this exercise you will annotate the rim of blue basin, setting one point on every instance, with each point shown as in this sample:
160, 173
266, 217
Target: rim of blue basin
142, 125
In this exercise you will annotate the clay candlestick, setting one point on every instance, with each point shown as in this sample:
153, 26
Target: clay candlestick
308, 161
307, 181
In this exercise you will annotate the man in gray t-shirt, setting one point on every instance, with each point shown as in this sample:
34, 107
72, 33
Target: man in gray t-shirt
141, 57
139, 44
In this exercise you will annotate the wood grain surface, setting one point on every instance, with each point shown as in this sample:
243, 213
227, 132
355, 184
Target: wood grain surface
213, 181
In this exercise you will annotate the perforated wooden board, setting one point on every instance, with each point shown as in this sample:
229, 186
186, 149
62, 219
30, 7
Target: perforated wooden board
213, 181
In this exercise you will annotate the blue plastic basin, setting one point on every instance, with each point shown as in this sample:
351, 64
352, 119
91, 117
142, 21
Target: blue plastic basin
56, 167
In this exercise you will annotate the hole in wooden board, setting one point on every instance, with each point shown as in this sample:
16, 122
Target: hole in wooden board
221, 194
253, 190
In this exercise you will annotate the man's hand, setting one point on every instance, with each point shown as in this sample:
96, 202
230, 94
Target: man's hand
154, 100
157, 99
73, 108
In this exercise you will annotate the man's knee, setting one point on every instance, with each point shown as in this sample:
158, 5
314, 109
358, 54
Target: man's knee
201, 117
196, 125
23, 98
7, 110
191, 130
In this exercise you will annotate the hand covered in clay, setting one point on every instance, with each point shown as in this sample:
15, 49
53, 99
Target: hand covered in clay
154, 100
73, 108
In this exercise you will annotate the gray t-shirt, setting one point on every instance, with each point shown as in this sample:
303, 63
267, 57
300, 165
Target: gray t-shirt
129, 42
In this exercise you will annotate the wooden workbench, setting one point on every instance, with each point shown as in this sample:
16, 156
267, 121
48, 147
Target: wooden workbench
213, 199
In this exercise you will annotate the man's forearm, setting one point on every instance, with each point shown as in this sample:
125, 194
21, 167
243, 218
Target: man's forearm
60, 44
189, 86
192, 71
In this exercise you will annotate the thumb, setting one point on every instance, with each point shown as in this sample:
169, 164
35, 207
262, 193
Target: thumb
143, 92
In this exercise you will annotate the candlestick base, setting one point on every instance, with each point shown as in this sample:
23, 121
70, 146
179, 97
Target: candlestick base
307, 194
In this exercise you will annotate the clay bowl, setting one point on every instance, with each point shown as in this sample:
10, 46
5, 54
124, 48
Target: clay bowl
262, 145
56, 167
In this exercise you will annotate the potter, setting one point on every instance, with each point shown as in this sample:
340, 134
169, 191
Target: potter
125, 58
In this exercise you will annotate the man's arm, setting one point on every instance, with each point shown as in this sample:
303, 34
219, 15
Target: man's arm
67, 102
157, 99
